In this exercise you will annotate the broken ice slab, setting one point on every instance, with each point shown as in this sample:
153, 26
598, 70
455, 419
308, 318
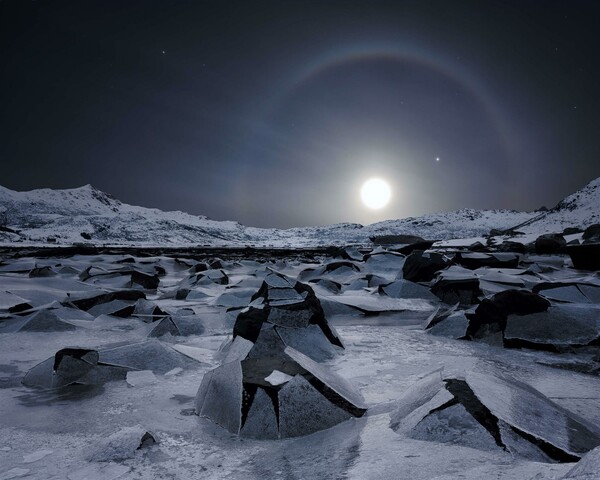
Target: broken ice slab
140, 378
558, 328
123, 444
407, 289
75, 365
516, 417
35, 456
374, 303
45, 320
587, 468
453, 326
304, 410
277, 397
561, 434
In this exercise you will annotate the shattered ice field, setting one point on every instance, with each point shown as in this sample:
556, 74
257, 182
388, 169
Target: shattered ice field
66, 432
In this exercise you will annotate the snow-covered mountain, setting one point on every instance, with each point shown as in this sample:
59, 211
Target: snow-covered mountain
86, 214
579, 209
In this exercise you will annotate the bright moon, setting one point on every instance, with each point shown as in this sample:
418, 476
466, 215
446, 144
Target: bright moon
375, 193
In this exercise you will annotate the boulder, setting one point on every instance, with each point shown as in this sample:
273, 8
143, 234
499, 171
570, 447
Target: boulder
591, 234
511, 246
423, 266
473, 261
149, 282
550, 243
586, 256
489, 319
399, 239
457, 285
424, 245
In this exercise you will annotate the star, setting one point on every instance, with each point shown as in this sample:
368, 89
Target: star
164, 52
437, 159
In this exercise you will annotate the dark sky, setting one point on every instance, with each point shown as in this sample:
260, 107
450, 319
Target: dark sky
274, 113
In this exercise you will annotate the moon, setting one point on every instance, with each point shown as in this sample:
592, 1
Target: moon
375, 193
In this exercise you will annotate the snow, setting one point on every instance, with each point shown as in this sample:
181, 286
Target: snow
277, 378
384, 357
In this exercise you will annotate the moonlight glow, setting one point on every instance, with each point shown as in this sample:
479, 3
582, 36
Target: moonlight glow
375, 193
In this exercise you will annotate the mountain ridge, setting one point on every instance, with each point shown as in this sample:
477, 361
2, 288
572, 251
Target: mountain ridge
87, 214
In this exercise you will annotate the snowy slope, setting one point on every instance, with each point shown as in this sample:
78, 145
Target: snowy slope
579, 209
65, 215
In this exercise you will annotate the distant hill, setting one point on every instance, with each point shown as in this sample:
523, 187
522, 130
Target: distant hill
89, 215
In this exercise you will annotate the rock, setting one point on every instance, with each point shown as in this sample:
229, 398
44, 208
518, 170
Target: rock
572, 230
422, 266
400, 239
149, 282
511, 246
586, 256
473, 261
424, 245
454, 285
591, 234
476, 247
491, 314
550, 243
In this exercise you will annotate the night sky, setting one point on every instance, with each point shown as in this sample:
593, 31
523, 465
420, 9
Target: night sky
274, 113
